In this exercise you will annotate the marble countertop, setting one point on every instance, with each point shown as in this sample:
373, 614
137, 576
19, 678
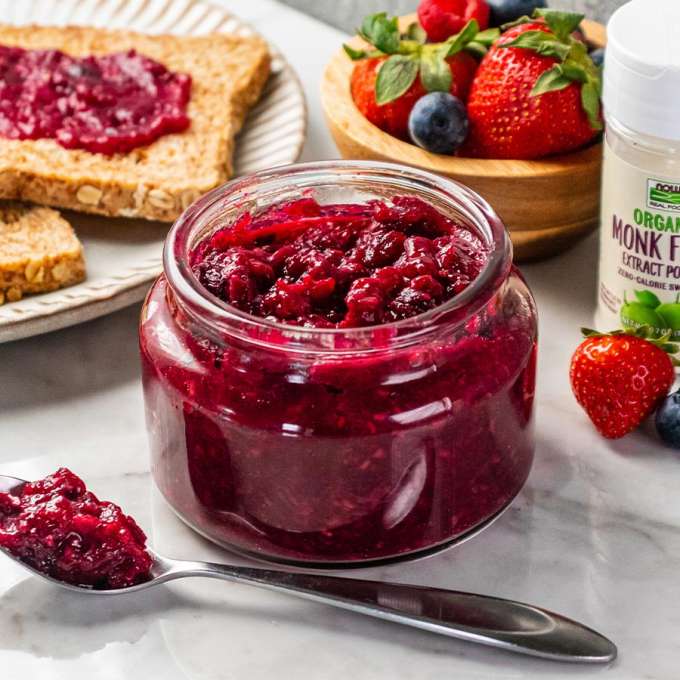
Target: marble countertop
594, 535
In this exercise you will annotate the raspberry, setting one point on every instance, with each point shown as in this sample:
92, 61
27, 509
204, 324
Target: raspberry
443, 18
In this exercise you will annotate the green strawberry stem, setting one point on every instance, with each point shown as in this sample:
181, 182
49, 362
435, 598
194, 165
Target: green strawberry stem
574, 64
409, 55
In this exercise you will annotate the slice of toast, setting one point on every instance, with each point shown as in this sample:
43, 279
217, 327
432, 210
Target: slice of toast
160, 180
39, 251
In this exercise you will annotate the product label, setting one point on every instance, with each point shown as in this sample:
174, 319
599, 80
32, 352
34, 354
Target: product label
639, 282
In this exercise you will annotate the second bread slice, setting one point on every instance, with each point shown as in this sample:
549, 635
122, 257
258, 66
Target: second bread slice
39, 251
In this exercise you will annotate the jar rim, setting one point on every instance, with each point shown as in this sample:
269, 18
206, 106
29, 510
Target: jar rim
206, 307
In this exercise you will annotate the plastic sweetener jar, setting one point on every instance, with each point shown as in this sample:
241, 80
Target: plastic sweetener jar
639, 270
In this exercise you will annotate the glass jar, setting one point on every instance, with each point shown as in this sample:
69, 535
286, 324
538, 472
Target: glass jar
334, 447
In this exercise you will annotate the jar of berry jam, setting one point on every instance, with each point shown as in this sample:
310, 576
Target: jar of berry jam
339, 365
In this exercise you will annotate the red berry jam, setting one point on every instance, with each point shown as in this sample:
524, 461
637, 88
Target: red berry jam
340, 266
106, 104
58, 527
366, 392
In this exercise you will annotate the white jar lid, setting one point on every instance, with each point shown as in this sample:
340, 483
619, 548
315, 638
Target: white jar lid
642, 67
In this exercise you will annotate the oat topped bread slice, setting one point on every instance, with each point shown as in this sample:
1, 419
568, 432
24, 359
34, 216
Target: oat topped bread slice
39, 251
157, 181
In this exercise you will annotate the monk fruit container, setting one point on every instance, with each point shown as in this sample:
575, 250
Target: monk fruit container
639, 271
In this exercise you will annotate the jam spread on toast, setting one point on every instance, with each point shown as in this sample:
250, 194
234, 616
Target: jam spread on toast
108, 104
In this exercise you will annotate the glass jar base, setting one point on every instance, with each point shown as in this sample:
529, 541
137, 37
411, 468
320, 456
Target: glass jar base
411, 556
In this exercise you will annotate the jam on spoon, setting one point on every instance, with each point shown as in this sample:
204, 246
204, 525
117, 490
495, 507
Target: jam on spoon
492, 621
60, 528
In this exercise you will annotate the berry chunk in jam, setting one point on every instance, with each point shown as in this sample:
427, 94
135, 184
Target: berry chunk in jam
58, 527
340, 265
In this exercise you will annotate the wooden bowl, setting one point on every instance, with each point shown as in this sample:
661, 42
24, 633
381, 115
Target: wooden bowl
546, 205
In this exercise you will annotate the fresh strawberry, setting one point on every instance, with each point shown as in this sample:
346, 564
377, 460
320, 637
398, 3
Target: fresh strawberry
400, 68
536, 92
463, 69
620, 379
392, 117
443, 18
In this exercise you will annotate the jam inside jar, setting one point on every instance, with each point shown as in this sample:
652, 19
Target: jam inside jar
335, 446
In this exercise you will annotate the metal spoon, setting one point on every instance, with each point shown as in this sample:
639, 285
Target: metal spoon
491, 621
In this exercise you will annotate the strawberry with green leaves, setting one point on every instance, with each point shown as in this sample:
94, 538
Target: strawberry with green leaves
392, 116
388, 79
620, 378
536, 92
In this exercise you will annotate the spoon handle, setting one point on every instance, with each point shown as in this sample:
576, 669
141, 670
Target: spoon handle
492, 621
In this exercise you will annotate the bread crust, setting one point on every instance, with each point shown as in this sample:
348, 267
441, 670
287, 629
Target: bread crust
39, 251
158, 181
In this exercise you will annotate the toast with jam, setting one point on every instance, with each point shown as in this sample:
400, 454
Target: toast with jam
128, 125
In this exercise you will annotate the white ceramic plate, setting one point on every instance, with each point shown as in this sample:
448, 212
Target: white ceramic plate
124, 256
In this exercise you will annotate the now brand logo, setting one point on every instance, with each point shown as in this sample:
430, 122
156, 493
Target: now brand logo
662, 195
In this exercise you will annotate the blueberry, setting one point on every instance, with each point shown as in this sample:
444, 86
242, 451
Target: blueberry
668, 420
598, 56
505, 11
438, 122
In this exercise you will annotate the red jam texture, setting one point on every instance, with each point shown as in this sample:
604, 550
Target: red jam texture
341, 457
340, 266
58, 527
105, 104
